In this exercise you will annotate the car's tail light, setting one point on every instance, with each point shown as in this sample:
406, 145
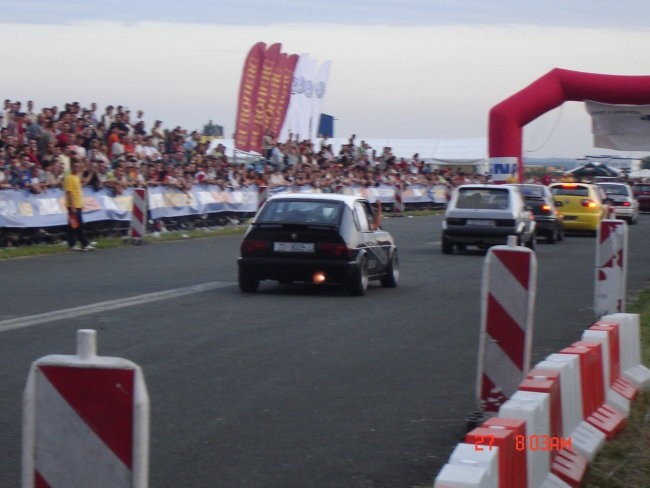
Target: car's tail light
336, 249
546, 209
455, 221
588, 203
626, 204
249, 247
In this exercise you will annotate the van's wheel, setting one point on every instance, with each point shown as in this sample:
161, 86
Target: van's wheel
248, 282
391, 278
358, 283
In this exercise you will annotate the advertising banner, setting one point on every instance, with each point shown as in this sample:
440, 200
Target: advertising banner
620, 127
22, 209
248, 95
271, 57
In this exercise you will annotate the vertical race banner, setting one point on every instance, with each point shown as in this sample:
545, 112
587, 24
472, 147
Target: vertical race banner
305, 101
320, 88
291, 125
272, 105
285, 69
248, 91
263, 95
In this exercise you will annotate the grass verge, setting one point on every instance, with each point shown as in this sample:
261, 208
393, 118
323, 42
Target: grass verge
108, 242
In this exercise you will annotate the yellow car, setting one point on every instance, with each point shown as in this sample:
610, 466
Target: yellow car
582, 205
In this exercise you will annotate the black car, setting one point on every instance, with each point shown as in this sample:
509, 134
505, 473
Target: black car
318, 238
550, 223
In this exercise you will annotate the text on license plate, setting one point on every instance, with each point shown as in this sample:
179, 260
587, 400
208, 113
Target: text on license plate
293, 246
480, 222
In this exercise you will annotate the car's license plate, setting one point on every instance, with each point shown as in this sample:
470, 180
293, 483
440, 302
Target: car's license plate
293, 246
482, 222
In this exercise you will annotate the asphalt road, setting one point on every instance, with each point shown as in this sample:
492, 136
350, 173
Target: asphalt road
297, 386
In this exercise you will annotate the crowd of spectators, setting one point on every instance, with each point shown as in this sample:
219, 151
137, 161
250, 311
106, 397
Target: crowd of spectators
118, 150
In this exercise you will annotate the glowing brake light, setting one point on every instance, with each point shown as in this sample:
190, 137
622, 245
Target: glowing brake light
589, 203
253, 246
626, 204
337, 249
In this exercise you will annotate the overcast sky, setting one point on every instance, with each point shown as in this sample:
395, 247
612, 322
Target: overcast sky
407, 68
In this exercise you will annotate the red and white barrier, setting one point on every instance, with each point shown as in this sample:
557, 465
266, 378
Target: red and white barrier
86, 421
262, 196
632, 368
398, 207
469, 467
534, 409
507, 306
611, 267
138, 227
502, 434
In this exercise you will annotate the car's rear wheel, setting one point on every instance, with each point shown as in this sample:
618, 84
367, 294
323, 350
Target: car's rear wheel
358, 283
391, 278
447, 246
248, 282
551, 236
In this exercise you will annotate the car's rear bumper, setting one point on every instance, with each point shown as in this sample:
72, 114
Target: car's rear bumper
293, 269
581, 221
478, 236
625, 212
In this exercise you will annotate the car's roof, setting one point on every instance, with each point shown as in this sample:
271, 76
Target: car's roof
485, 186
611, 183
323, 197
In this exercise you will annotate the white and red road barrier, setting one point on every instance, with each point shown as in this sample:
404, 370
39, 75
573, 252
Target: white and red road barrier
262, 196
611, 267
85, 421
507, 307
138, 227
568, 406
398, 207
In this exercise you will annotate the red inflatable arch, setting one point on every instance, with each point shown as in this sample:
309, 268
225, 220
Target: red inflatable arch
508, 118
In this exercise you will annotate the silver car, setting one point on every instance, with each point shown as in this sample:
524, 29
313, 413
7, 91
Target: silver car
621, 198
485, 215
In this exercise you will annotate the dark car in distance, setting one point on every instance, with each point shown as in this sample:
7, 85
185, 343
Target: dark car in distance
318, 238
642, 194
550, 223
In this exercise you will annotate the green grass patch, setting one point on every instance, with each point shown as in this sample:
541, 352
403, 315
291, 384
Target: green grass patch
108, 242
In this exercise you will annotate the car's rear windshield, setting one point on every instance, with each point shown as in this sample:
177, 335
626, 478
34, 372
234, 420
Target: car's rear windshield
571, 190
301, 211
535, 192
642, 188
483, 198
614, 189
